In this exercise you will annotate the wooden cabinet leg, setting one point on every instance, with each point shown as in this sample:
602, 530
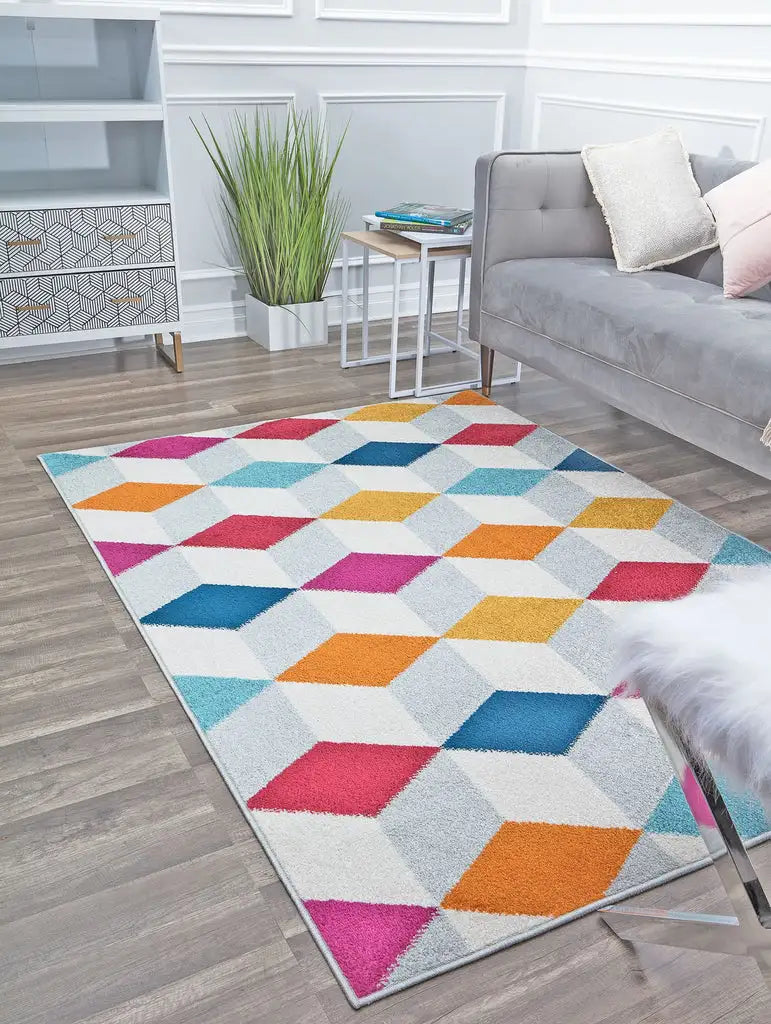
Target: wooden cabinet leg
488, 358
178, 363
175, 360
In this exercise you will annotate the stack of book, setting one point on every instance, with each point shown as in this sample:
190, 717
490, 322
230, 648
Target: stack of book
418, 217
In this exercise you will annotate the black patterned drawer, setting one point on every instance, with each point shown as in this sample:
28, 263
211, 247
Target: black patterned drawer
57, 303
101, 236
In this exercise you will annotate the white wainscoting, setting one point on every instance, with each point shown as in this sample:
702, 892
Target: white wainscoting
443, 12
343, 56
741, 134
246, 8
656, 12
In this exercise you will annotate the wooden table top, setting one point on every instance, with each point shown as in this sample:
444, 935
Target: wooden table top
389, 243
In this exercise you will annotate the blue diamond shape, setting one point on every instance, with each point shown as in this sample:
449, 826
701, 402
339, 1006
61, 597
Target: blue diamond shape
213, 606
527, 723
673, 814
269, 474
511, 482
212, 698
58, 463
740, 551
581, 460
386, 453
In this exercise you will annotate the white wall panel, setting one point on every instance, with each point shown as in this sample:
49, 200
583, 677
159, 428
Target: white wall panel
439, 11
418, 147
656, 12
569, 122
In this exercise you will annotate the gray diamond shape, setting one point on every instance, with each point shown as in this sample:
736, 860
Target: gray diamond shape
586, 641
576, 562
691, 531
545, 447
323, 490
439, 824
440, 690
559, 497
308, 552
441, 596
441, 524
602, 753
285, 633
441, 468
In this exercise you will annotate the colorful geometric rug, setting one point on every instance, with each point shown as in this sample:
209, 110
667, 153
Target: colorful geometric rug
392, 627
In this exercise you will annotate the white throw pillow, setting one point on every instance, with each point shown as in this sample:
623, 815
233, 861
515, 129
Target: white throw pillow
650, 200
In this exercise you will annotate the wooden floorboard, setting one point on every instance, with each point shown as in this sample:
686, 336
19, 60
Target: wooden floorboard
131, 888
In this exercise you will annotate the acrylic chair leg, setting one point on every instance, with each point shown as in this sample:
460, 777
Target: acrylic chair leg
749, 931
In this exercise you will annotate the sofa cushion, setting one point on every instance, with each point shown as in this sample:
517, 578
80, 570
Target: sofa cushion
672, 330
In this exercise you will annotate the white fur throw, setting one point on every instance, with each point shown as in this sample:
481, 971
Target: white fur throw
706, 662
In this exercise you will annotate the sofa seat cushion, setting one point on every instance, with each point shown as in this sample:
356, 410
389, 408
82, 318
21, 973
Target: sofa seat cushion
664, 327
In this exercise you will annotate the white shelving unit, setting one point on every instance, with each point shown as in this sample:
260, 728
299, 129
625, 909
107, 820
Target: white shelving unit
87, 239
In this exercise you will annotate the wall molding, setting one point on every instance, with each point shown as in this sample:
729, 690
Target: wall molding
755, 122
632, 64
473, 96
392, 56
327, 11
231, 99
730, 15
341, 56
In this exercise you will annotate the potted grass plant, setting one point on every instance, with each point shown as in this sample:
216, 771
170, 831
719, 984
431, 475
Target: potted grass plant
284, 220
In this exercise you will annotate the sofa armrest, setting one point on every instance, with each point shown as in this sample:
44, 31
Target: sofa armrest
531, 205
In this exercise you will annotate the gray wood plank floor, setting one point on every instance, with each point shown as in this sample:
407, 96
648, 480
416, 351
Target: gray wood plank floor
131, 888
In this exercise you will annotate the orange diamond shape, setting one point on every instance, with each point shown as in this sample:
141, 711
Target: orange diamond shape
137, 497
542, 870
380, 506
623, 513
527, 619
520, 542
392, 412
358, 659
468, 398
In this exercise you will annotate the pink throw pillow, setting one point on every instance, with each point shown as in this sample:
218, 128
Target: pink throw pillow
741, 207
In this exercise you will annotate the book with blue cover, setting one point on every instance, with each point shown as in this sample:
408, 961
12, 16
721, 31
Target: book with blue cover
422, 213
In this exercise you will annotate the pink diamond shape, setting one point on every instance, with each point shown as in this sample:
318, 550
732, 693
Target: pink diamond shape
366, 939
119, 556
179, 447
255, 532
343, 778
295, 429
371, 573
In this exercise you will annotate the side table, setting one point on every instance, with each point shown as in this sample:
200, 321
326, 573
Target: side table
402, 248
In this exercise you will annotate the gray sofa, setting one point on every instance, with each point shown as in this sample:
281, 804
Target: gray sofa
663, 345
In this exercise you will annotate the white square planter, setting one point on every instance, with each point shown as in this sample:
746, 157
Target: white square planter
277, 328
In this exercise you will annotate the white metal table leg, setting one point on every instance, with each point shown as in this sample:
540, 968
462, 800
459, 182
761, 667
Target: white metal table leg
394, 358
430, 305
365, 305
422, 296
461, 298
344, 307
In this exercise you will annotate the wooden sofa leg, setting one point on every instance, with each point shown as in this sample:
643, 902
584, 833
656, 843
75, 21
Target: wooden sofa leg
488, 358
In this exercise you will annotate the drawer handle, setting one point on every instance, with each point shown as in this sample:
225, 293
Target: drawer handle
119, 238
32, 308
24, 241
127, 298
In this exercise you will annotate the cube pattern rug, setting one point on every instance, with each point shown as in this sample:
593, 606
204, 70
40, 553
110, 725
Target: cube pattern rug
392, 626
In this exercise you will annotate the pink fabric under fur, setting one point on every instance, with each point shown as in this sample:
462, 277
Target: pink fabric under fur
742, 209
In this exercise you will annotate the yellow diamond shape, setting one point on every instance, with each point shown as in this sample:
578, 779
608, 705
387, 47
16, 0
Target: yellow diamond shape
392, 412
623, 513
381, 506
530, 620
